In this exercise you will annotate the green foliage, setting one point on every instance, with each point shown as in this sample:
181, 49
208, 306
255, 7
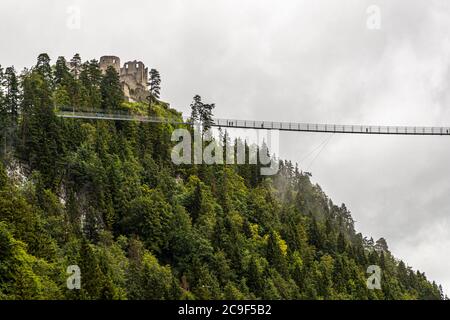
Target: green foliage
155, 83
111, 90
105, 196
149, 217
22, 276
11, 83
202, 112
94, 85
148, 280
3, 177
41, 144
44, 69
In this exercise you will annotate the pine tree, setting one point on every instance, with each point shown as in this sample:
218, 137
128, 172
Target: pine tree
92, 277
155, 83
75, 65
381, 245
3, 177
62, 72
12, 95
23, 276
315, 235
9, 106
3, 115
195, 202
95, 74
275, 256
206, 116
196, 108
111, 90
41, 144
203, 113
91, 80
342, 244
44, 69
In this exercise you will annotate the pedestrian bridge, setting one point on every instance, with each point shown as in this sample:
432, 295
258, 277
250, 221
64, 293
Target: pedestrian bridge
267, 125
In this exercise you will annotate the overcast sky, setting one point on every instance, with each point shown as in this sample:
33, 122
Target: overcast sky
304, 61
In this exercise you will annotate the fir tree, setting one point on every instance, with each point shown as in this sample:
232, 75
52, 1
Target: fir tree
155, 83
111, 90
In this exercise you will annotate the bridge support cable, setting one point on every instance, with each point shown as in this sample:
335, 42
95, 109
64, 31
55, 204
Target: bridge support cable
269, 125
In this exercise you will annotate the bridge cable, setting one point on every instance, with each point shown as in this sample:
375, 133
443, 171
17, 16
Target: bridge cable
320, 151
312, 151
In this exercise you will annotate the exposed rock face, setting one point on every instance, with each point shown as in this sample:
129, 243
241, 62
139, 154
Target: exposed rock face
133, 76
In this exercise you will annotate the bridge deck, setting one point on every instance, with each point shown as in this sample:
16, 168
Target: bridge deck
271, 125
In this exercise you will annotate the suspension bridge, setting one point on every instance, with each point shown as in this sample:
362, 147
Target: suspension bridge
266, 125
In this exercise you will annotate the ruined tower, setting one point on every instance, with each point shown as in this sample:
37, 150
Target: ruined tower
135, 76
107, 61
136, 71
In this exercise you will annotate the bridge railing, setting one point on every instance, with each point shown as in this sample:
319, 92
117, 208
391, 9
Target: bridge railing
293, 126
253, 124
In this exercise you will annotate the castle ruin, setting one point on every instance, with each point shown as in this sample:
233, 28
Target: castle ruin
133, 77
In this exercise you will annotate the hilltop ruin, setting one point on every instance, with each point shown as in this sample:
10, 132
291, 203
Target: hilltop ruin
133, 77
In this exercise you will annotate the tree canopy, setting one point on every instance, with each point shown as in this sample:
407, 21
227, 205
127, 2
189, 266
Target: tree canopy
106, 196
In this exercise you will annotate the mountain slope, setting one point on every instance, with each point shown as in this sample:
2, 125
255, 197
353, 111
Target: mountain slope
106, 196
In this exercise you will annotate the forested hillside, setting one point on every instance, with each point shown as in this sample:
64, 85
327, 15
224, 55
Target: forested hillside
105, 195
